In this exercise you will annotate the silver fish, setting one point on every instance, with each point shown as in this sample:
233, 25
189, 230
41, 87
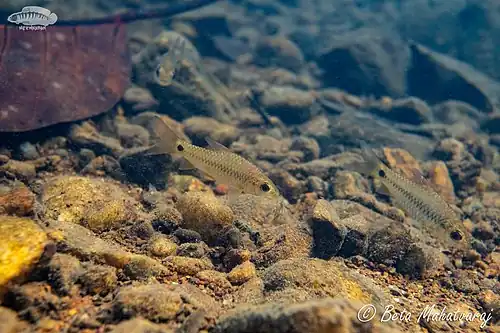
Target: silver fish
218, 162
418, 199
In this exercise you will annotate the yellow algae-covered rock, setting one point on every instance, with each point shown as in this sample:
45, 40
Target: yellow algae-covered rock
402, 161
204, 213
22, 243
242, 273
96, 204
213, 278
189, 266
161, 246
348, 184
440, 178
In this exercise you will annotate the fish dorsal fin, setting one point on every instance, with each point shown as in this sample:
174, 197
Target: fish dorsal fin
215, 145
419, 178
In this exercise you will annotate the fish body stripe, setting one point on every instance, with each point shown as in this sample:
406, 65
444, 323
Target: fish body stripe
222, 163
418, 202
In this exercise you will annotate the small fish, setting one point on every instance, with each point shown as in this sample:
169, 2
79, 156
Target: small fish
218, 162
171, 62
33, 15
418, 199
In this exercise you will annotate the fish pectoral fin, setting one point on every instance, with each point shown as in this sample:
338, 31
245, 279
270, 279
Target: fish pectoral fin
215, 145
381, 188
185, 165
208, 177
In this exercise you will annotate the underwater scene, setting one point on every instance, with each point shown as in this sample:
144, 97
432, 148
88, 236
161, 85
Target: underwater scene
249, 166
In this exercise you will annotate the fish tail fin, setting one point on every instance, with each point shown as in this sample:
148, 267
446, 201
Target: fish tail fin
370, 164
167, 140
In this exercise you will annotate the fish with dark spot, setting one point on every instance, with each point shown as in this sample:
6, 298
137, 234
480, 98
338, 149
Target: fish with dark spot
217, 161
430, 212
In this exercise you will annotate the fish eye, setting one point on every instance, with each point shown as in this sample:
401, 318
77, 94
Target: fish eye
265, 187
180, 148
381, 173
456, 235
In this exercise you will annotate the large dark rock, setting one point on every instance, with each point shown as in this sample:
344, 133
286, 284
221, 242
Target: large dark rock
366, 62
436, 77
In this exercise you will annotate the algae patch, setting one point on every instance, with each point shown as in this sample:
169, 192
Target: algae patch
96, 204
22, 243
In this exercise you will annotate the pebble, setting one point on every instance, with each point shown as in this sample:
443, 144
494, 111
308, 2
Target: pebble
198, 128
308, 146
85, 245
9, 321
187, 236
314, 316
283, 242
132, 135
85, 157
279, 51
96, 204
165, 219
293, 106
409, 110
28, 151
139, 99
440, 177
140, 267
21, 170
22, 244
328, 233
214, 278
189, 266
17, 200
99, 279
157, 303
143, 230
138, 325
204, 213
192, 250
242, 273
4, 159
87, 135
63, 272
317, 185
291, 188
235, 257
161, 246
